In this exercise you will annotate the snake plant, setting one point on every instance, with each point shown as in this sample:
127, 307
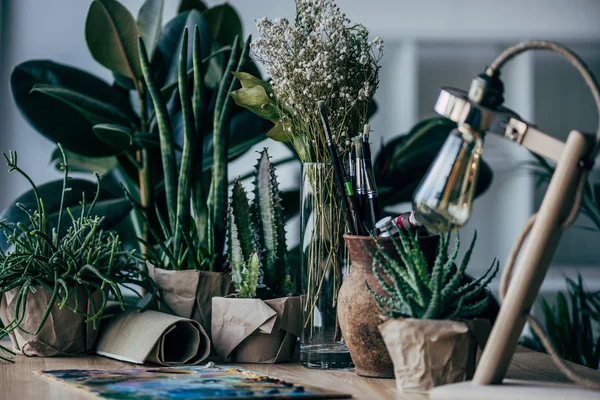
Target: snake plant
415, 290
256, 234
184, 243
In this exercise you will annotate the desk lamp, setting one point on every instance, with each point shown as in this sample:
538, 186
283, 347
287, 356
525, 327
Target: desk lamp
443, 200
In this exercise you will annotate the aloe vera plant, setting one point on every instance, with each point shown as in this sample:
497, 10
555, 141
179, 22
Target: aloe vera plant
183, 243
256, 234
414, 290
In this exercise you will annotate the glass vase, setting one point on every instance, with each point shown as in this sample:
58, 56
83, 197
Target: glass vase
324, 264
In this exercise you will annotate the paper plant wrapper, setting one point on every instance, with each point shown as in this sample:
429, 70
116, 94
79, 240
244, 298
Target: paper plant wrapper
429, 353
256, 331
65, 333
152, 336
188, 293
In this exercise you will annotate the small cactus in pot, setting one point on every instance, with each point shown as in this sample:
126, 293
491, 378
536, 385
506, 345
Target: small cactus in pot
261, 275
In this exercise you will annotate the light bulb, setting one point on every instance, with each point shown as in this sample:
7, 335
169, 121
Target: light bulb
443, 200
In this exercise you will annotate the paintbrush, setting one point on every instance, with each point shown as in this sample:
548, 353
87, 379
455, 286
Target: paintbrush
341, 181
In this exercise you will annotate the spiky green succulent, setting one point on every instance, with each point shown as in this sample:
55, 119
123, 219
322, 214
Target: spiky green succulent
415, 290
256, 234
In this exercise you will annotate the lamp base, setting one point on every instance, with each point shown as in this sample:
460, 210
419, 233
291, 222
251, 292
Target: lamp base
512, 389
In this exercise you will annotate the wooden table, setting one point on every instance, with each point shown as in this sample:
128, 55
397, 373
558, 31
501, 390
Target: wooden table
18, 381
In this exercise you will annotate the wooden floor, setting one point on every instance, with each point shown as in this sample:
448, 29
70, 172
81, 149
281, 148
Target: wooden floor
19, 381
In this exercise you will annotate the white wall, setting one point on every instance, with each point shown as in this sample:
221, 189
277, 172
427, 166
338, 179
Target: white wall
428, 44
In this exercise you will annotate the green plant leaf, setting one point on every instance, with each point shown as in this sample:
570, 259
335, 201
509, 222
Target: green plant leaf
257, 100
57, 120
79, 163
187, 5
95, 111
112, 209
249, 81
150, 23
278, 132
166, 56
122, 138
224, 22
111, 34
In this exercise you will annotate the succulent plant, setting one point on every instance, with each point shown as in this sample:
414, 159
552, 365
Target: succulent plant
415, 290
185, 242
257, 234
64, 257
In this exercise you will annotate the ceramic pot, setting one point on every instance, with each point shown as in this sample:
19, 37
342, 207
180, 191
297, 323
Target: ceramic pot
358, 313
429, 353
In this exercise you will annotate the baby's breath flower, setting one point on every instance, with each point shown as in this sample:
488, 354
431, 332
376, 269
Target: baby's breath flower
322, 56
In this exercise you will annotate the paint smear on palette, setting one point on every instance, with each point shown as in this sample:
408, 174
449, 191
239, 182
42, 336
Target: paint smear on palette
191, 382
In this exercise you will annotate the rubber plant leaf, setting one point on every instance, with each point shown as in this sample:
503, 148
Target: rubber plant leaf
187, 5
79, 163
111, 34
57, 120
150, 23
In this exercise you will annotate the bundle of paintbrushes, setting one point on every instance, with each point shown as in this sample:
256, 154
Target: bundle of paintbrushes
354, 179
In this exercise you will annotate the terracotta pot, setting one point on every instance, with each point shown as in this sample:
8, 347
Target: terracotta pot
256, 331
429, 353
358, 313
64, 333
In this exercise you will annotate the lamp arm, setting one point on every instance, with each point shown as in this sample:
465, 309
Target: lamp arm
533, 139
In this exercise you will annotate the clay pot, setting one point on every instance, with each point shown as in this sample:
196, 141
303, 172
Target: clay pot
358, 313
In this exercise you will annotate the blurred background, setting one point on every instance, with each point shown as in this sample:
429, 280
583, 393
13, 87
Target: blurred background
428, 44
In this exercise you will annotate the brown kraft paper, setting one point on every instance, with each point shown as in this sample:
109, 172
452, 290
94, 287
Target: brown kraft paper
152, 336
256, 331
429, 353
65, 333
188, 293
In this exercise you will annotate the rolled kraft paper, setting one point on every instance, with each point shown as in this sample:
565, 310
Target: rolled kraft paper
256, 331
152, 336
188, 293
429, 353
65, 333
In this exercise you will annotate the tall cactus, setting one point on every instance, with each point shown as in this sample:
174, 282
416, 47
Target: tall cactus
413, 290
258, 230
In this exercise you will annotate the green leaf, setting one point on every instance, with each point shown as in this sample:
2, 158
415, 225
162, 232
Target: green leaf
57, 120
95, 111
79, 163
120, 137
165, 61
187, 5
257, 100
112, 209
150, 23
111, 34
239, 223
248, 81
224, 23
279, 133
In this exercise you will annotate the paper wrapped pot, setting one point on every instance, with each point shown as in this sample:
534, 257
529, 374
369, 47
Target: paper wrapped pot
65, 333
188, 293
429, 353
256, 331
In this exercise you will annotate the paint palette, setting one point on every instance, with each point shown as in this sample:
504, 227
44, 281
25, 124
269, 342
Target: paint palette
190, 382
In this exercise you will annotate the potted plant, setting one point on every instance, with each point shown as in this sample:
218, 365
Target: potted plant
261, 323
56, 276
432, 332
111, 127
186, 254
